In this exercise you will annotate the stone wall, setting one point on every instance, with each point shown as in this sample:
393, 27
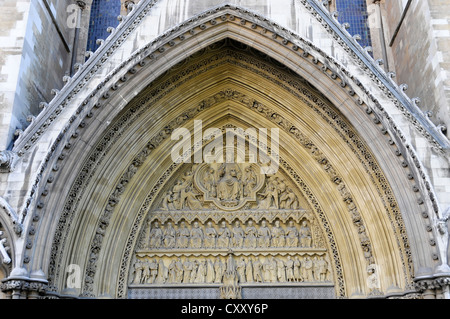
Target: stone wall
35, 55
419, 37
13, 23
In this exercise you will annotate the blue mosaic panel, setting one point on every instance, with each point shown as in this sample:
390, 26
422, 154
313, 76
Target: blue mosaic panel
104, 14
355, 13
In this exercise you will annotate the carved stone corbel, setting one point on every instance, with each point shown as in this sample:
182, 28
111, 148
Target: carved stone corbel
20, 286
426, 288
7, 161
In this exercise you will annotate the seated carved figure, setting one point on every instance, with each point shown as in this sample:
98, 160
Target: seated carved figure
229, 185
305, 235
210, 236
196, 236
238, 235
251, 234
156, 236
224, 234
264, 235
183, 235
292, 235
278, 239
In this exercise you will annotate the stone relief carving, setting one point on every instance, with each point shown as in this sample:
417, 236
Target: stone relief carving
4, 249
229, 186
226, 224
373, 281
231, 270
222, 235
443, 235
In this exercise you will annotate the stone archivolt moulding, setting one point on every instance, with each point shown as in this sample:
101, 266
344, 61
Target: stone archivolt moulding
308, 51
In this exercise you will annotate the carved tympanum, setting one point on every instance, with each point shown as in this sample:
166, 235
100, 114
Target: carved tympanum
228, 224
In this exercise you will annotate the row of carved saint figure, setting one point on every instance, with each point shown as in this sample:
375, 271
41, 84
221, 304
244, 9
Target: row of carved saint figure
253, 270
223, 237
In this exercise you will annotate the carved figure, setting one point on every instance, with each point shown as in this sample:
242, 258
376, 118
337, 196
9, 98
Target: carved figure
238, 235
145, 273
249, 271
196, 236
257, 271
292, 234
249, 181
177, 190
179, 271
169, 236
183, 235
156, 236
290, 270
229, 186
201, 272
270, 269
219, 268
305, 235
188, 266
138, 271
224, 236
308, 269
195, 266
269, 199
210, 273
190, 199
168, 202
163, 273
251, 234
210, 236
264, 235
297, 270
372, 280
240, 267
209, 181
153, 266
183, 195
322, 268
172, 272
278, 239
292, 199
281, 270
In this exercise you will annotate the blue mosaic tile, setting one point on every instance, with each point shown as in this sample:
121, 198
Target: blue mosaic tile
104, 14
355, 13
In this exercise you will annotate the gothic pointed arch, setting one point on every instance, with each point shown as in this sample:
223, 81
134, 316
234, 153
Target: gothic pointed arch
110, 167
